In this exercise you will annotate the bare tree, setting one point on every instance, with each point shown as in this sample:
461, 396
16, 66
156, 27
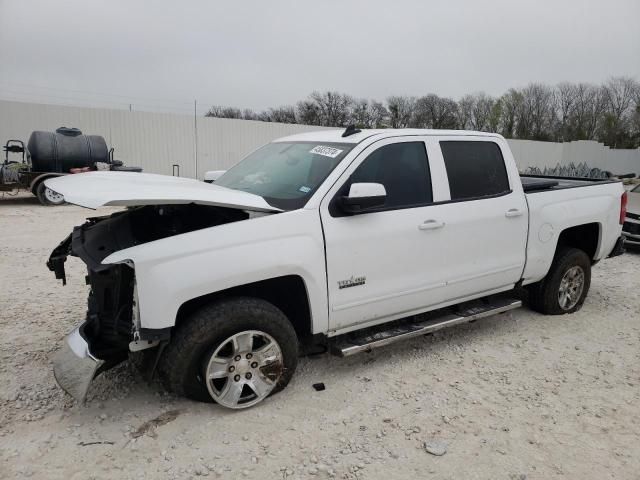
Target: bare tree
619, 98
224, 112
465, 112
379, 115
286, 114
609, 113
565, 98
401, 110
308, 113
333, 108
635, 117
586, 113
477, 112
433, 111
511, 106
482, 110
368, 114
537, 114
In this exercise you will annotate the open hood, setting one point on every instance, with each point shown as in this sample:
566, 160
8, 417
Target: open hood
97, 189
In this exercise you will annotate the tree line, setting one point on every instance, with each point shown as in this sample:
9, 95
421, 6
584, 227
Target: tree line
609, 113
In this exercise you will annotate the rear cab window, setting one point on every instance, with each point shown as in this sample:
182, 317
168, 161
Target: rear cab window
475, 169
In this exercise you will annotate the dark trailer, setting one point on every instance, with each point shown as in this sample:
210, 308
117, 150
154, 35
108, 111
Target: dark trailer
53, 154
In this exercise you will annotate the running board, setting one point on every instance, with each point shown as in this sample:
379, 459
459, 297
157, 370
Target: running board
358, 342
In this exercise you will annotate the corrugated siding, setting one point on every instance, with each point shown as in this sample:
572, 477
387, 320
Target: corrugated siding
156, 141
153, 141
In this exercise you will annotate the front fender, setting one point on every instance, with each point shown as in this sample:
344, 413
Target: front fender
174, 270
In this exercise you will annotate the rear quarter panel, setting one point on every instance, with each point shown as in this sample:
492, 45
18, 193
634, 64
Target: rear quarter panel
551, 212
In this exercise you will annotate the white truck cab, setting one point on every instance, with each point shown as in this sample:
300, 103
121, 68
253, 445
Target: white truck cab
351, 239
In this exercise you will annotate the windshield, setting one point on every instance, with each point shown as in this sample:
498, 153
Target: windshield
636, 189
285, 174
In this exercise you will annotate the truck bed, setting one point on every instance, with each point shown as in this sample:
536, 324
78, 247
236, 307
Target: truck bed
543, 183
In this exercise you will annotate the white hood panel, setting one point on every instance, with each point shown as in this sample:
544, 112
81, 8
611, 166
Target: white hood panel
97, 189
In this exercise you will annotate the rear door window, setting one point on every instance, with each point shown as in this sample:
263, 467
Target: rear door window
474, 169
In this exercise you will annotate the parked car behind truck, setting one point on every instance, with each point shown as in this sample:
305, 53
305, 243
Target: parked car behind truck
354, 239
631, 227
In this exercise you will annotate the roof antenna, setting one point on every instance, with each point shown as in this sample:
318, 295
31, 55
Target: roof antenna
351, 130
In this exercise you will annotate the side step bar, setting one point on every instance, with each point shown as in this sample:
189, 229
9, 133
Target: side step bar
350, 344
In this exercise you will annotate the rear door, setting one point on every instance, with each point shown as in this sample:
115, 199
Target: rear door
486, 216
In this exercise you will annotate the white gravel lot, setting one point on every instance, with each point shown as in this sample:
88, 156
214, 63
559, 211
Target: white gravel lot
511, 397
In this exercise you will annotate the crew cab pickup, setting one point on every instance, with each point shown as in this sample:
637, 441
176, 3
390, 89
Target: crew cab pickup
348, 240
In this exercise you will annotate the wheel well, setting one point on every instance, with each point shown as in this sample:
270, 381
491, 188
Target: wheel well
585, 237
288, 293
41, 178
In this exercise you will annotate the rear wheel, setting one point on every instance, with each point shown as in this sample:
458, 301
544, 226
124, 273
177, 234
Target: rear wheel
235, 352
565, 287
47, 196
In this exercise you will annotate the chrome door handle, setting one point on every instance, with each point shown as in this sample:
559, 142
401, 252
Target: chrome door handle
513, 212
430, 225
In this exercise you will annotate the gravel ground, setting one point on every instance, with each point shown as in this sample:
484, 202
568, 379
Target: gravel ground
514, 396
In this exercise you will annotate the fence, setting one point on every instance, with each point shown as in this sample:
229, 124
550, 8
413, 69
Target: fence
158, 141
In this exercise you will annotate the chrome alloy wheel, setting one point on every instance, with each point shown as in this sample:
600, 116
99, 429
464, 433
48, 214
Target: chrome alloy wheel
571, 287
244, 369
53, 197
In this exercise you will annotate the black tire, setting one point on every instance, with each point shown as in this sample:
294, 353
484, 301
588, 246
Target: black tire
183, 361
40, 193
543, 295
39, 190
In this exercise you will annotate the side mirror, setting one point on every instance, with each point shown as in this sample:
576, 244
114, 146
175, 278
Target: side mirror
363, 197
212, 175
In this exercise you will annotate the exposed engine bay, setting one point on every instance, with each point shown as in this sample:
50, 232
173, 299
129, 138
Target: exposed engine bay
111, 322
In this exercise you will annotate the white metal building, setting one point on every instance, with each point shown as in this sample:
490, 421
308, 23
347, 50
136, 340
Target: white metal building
158, 141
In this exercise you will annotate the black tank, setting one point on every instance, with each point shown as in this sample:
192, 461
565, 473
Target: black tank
64, 149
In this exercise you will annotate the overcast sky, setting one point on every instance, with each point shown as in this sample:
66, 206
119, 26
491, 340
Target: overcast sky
257, 54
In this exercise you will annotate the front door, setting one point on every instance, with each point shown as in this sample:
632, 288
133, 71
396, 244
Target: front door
377, 262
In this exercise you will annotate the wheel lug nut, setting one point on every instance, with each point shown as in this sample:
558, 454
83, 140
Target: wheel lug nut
254, 365
232, 368
237, 378
237, 358
248, 376
249, 356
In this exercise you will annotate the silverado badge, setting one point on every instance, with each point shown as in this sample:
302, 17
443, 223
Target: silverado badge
352, 282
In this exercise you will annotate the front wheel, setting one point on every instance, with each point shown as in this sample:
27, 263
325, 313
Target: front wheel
565, 287
235, 352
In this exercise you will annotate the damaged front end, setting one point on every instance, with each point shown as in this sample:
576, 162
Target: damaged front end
112, 326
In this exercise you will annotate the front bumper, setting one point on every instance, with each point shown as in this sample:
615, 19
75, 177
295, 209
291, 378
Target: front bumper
74, 367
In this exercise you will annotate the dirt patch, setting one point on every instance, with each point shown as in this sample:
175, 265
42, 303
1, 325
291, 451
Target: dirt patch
149, 427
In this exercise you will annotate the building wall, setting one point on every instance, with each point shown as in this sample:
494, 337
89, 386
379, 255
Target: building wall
153, 141
529, 153
157, 141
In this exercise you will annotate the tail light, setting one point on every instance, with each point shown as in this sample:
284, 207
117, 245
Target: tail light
623, 207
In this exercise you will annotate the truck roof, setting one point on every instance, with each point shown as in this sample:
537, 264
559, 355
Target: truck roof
335, 136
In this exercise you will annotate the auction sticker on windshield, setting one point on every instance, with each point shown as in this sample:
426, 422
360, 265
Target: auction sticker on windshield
326, 151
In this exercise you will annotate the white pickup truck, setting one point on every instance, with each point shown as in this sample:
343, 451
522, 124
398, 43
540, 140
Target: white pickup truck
348, 240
